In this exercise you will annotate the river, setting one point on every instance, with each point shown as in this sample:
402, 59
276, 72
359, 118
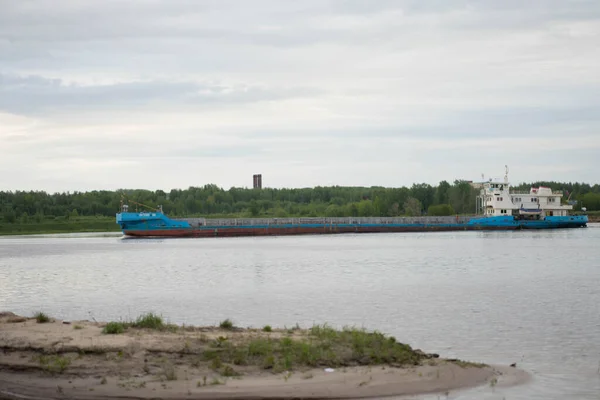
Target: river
530, 297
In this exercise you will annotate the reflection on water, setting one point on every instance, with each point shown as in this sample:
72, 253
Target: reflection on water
496, 297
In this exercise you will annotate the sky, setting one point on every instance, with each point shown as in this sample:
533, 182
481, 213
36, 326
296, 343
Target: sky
171, 94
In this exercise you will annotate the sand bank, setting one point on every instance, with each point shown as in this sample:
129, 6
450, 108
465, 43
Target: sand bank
77, 360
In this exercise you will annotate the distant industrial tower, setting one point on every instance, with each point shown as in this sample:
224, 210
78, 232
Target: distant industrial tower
257, 181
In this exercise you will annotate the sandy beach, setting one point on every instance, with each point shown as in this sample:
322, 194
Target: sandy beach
60, 359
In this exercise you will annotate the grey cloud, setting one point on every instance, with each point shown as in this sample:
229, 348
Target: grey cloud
32, 94
241, 22
383, 85
203, 35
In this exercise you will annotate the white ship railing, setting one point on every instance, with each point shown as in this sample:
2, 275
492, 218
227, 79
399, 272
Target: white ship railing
325, 221
554, 192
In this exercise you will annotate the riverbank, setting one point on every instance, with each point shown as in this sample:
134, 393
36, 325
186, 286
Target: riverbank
594, 217
147, 358
52, 225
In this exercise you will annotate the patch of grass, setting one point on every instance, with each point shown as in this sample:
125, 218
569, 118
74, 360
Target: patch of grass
103, 381
54, 363
229, 371
216, 363
41, 317
226, 324
268, 362
322, 346
240, 357
114, 328
467, 364
77, 327
149, 321
221, 341
203, 338
144, 321
267, 328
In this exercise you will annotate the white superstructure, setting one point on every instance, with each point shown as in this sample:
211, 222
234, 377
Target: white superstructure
497, 199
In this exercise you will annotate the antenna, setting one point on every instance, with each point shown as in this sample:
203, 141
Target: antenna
506, 174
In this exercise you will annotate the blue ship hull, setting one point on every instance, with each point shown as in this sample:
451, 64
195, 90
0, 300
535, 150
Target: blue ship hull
156, 224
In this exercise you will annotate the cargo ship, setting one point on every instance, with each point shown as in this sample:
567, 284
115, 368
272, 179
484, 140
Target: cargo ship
498, 207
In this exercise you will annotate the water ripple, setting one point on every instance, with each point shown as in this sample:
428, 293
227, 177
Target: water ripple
495, 297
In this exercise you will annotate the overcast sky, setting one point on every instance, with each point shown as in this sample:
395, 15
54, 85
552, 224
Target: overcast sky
178, 93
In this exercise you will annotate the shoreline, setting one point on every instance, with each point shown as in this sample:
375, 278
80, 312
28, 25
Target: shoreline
150, 359
106, 226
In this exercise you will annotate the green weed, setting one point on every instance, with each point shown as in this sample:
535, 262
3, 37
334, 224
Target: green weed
467, 364
149, 321
41, 317
54, 364
229, 371
114, 328
226, 324
323, 346
216, 363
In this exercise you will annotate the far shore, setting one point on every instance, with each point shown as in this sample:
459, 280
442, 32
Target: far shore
103, 225
44, 358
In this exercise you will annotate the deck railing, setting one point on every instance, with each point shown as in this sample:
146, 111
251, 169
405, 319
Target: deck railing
326, 221
554, 192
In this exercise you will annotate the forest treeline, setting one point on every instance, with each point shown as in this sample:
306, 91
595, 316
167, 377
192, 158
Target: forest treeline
213, 201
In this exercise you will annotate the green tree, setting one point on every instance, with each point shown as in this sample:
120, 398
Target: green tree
211, 200
279, 212
462, 197
441, 193
412, 207
365, 208
254, 208
440, 210
591, 201
10, 216
424, 193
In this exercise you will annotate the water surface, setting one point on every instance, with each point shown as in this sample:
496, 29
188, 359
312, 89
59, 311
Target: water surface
496, 297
